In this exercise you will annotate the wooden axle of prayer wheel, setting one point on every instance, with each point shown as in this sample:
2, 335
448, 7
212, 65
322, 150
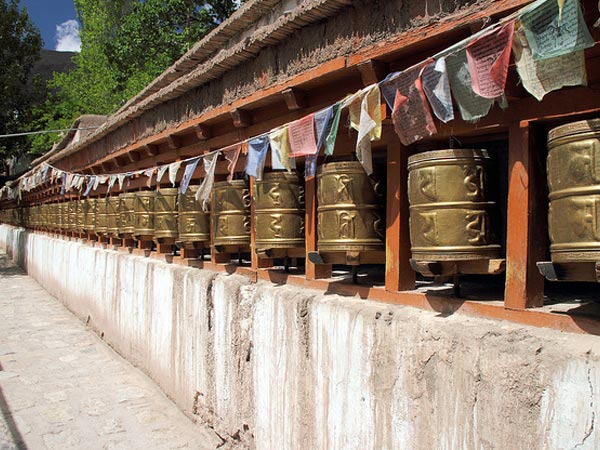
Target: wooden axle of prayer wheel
193, 222
231, 216
453, 217
144, 216
279, 216
165, 215
573, 171
350, 218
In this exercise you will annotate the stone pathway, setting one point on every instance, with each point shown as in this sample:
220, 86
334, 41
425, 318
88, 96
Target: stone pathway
62, 388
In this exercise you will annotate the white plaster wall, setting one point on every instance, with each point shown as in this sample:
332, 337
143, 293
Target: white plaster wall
278, 367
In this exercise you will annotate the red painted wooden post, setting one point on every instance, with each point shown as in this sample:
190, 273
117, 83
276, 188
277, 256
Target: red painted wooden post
399, 276
525, 235
313, 271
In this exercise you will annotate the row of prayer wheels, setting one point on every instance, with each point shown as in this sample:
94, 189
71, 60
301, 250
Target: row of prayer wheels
454, 215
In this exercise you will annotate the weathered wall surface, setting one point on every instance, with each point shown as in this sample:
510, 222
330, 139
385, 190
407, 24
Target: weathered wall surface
276, 367
362, 24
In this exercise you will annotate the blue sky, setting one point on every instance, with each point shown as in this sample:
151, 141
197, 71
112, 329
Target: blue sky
50, 14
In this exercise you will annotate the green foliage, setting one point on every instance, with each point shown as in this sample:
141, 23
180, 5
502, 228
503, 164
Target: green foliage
125, 44
19, 50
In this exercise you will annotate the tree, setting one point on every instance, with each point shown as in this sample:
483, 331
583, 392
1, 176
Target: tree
19, 50
125, 44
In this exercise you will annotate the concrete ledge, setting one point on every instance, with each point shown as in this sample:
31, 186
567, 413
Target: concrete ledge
277, 367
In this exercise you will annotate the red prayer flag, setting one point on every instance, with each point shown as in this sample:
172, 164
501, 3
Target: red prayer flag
232, 156
303, 139
488, 57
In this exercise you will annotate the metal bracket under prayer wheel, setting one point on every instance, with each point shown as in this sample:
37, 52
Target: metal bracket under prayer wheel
573, 271
449, 268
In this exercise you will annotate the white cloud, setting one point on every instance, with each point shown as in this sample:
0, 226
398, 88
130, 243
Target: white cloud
67, 36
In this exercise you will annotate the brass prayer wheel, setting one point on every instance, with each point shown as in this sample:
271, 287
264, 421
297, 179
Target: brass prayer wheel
144, 214
452, 215
573, 167
231, 215
101, 216
279, 211
60, 216
165, 213
71, 215
112, 216
79, 216
126, 214
193, 222
350, 214
89, 215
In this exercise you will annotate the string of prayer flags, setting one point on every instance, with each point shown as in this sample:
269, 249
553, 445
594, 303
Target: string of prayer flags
160, 173
303, 140
173, 169
472, 107
551, 33
437, 89
410, 111
203, 192
323, 122
488, 57
121, 179
111, 182
232, 157
90, 185
364, 110
280, 150
148, 173
547, 75
333, 130
257, 154
187, 175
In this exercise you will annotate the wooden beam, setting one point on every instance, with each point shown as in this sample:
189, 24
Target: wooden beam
372, 71
106, 166
241, 118
526, 232
399, 276
203, 132
295, 98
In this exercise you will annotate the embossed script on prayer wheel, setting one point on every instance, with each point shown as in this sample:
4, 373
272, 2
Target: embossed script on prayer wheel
112, 216
101, 216
573, 167
231, 215
165, 213
193, 222
452, 216
79, 218
279, 211
350, 216
144, 215
89, 214
127, 214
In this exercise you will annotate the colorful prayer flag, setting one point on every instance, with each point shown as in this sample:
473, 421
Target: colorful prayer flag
488, 56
